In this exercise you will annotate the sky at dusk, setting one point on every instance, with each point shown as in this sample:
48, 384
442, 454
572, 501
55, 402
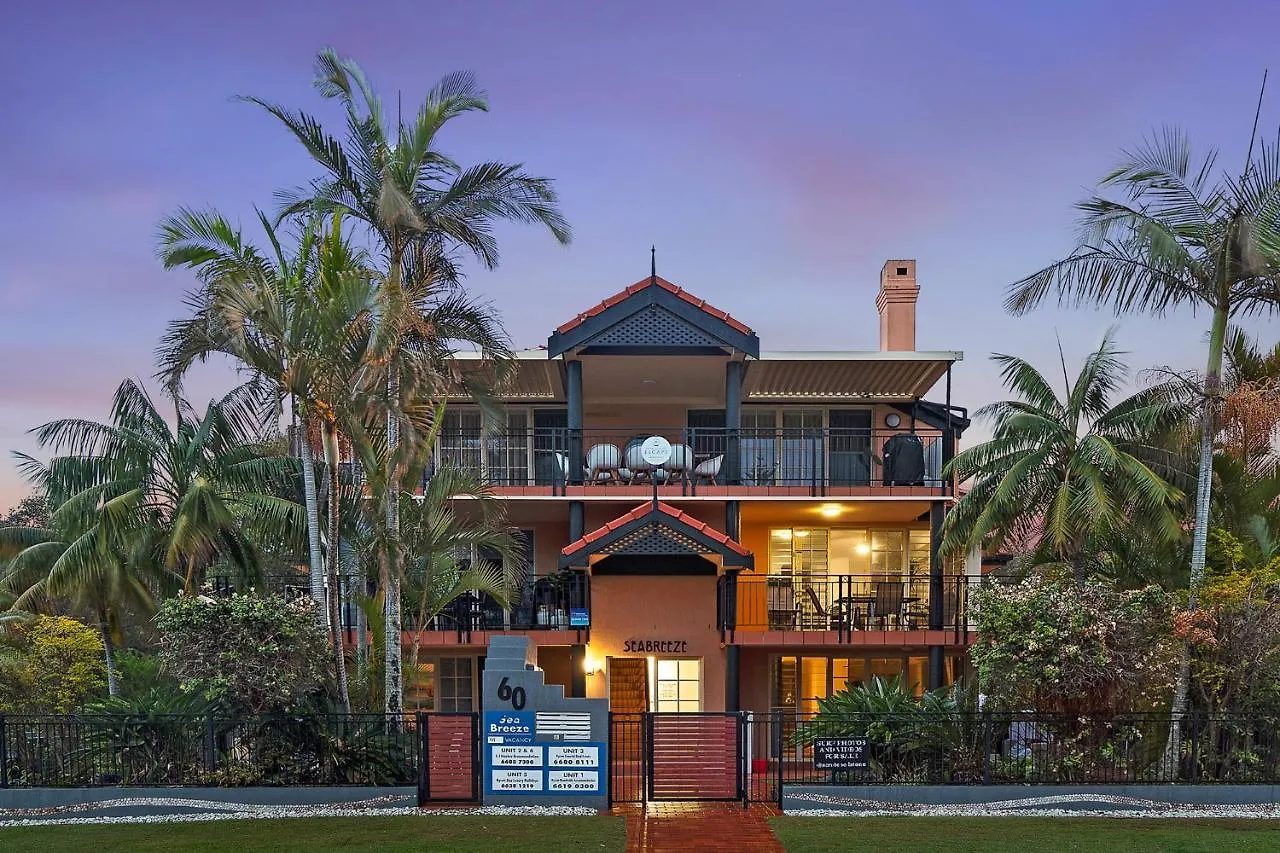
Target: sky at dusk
776, 154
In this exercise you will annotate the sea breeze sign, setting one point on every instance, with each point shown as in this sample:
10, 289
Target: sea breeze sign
839, 753
656, 647
534, 753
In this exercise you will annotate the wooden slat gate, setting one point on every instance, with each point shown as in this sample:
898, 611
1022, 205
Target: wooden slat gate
448, 757
696, 756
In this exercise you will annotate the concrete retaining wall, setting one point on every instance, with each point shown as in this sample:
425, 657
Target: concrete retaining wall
856, 798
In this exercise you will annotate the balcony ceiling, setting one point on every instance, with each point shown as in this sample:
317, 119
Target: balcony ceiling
806, 377
807, 514
836, 377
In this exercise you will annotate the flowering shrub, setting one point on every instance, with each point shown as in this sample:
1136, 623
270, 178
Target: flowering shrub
50, 666
1051, 643
254, 653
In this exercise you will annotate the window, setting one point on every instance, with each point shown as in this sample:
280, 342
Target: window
884, 554
678, 686
455, 684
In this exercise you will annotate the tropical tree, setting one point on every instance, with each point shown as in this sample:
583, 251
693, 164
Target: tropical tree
74, 559
1167, 231
250, 308
196, 493
420, 208
456, 542
309, 322
1065, 471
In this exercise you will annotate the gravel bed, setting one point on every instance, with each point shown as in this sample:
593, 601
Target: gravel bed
1059, 805
63, 815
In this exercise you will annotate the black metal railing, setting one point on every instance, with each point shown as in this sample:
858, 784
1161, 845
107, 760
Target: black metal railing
556, 602
207, 750
780, 460
843, 603
998, 748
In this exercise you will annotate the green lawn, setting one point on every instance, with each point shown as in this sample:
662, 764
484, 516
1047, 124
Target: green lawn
470, 834
1025, 835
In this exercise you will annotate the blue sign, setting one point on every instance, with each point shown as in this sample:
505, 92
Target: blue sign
508, 727
579, 617
545, 768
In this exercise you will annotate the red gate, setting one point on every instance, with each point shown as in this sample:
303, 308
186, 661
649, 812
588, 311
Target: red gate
448, 757
695, 756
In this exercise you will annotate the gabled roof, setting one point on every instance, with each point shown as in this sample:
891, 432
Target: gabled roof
674, 318
656, 529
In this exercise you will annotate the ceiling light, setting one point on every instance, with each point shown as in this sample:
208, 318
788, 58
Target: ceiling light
830, 510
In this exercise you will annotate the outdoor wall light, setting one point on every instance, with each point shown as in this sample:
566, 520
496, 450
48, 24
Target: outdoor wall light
590, 666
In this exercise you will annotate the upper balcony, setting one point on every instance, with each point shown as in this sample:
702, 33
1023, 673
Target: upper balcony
818, 461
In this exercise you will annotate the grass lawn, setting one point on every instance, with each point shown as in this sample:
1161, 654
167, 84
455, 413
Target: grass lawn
1025, 835
470, 834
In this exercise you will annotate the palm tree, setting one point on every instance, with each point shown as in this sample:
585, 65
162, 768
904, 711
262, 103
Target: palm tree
1066, 471
200, 492
419, 206
456, 516
1177, 235
311, 325
256, 307
72, 558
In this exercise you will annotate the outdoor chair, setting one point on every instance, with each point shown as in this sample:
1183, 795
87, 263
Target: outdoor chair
708, 469
603, 462
888, 603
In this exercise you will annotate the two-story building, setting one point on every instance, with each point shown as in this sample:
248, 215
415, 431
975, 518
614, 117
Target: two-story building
780, 544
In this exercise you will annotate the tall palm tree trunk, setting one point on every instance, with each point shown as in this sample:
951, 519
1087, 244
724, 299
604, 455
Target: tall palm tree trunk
393, 686
334, 563
315, 553
109, 653
1200, 535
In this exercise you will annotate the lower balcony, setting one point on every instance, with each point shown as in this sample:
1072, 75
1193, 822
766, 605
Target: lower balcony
559, 602
763, 609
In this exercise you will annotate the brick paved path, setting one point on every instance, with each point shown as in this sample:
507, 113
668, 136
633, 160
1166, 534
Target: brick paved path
711, 827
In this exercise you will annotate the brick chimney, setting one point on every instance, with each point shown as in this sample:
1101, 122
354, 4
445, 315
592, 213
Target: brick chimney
896, 303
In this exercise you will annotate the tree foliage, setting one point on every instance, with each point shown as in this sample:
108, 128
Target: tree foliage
246, 652
1053, 643
50, 665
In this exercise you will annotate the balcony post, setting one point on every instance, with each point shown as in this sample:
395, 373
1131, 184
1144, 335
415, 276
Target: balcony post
573, 400
732, 694
937, 512
732, 421
577, 671
733, 520
576, 520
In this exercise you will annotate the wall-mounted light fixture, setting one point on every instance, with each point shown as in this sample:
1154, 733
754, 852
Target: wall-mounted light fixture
590, 665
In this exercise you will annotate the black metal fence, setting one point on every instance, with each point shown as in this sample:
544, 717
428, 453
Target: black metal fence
191, 750
989, 748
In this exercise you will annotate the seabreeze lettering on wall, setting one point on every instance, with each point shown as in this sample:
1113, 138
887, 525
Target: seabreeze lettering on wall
839, 753
656, 647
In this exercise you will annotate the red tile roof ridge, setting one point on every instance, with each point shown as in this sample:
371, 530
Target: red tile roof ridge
643, 510
661, 282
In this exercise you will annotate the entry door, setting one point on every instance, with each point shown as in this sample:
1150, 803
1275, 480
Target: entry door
628, 686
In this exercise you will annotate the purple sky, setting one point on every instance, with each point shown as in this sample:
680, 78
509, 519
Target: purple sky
775, 156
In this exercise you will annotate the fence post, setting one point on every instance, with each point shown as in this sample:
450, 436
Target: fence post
424, 759
646, 722
476, 770
210, 743
776, 739
4, 754
986, 746
743, 734
1194, 770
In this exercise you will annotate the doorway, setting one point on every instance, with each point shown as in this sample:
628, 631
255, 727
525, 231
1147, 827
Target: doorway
628, 686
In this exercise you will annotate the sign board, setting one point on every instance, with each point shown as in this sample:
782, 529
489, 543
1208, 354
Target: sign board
839, 753
655, 450
538, 746
579, 617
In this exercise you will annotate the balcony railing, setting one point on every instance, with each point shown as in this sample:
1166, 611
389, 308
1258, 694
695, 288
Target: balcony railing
842, 603
556, 602
809, 461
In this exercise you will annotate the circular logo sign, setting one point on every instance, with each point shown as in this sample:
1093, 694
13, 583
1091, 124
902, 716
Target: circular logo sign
655, 450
